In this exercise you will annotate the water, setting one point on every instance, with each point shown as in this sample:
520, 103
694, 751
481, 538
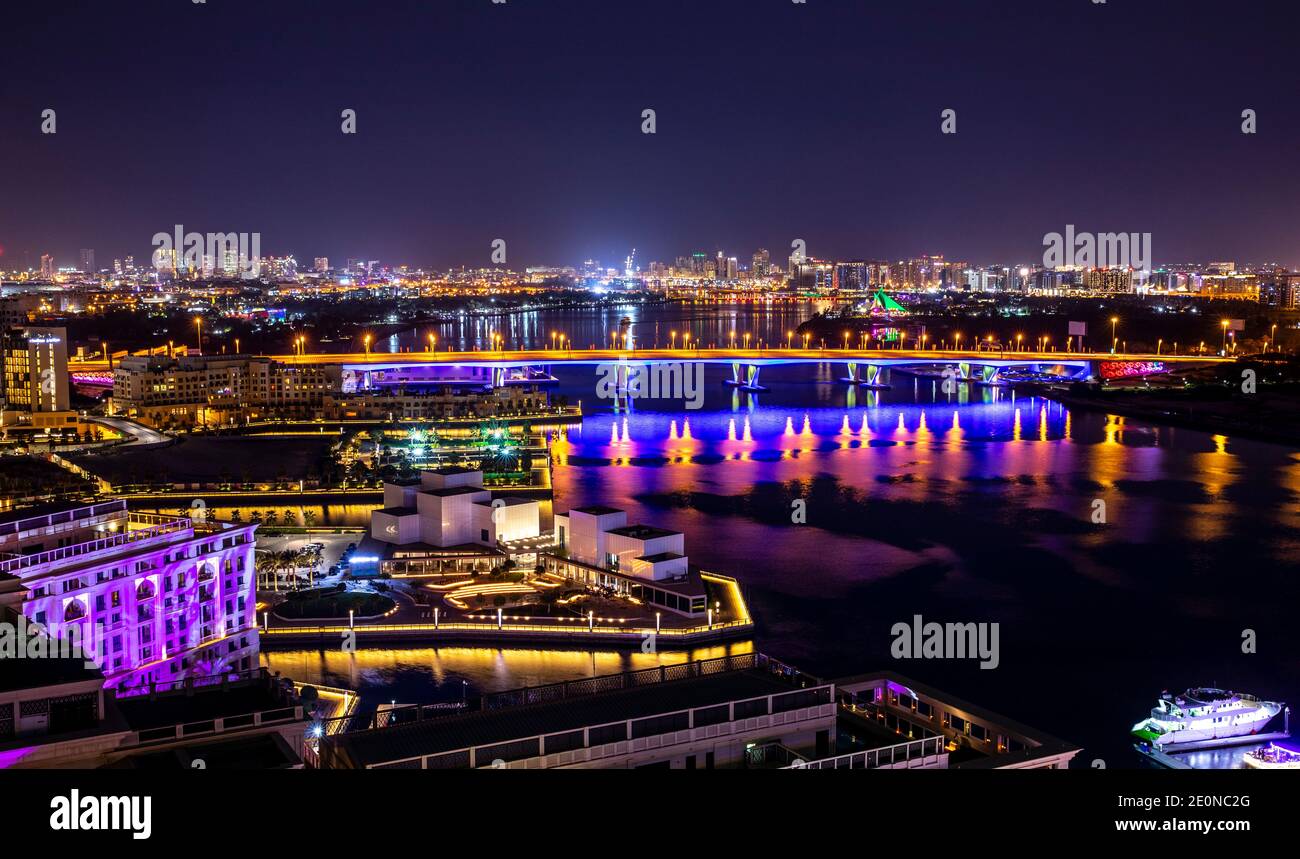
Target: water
973, 507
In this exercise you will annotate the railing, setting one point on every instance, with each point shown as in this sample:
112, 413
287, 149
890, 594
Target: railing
63, 517
580, 689
167, 525
578, 628
932, 748
220, 726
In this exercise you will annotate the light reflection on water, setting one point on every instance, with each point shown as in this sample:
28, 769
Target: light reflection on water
425, 675
974, 506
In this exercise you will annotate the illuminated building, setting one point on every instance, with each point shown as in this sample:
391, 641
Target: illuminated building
321, 265
595, 546
214, 390
1234, 285
443, 520
1109, 280
36, 370
88, 260
47, 267
150, 598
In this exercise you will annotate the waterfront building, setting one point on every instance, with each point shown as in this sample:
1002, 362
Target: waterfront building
151, 598
206, 390
595, 546
439, 404
444, 521
744, 711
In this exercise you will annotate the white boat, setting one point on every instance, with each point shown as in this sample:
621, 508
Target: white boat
1205, 714
1273, 757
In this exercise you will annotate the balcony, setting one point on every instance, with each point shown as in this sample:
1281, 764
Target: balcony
156, 529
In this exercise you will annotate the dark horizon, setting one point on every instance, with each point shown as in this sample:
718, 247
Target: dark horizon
522, 121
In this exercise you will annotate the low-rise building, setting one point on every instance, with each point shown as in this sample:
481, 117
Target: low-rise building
444, 520
595, 546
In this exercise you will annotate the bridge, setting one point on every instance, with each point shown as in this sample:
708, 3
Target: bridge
863, 366
981, 366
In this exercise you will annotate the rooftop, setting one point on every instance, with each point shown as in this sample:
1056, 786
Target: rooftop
453, 491
398, 511
258, 692
568, 713
642, 532
661, 557
596, 510
506, 502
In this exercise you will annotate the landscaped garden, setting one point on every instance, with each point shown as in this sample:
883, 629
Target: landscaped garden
333, 603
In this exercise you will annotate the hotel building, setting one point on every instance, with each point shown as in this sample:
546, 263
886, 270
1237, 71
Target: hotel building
35, 380
152, 599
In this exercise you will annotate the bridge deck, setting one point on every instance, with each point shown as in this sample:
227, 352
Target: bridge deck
523, 358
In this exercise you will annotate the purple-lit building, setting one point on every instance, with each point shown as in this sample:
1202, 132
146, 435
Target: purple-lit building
151, 598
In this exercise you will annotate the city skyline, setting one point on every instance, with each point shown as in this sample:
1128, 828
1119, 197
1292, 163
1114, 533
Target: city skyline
834, 136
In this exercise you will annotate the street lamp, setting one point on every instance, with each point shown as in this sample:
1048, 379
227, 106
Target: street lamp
1224, 323
1160, 342
198, 327
366, 341
789, 335
1114, 321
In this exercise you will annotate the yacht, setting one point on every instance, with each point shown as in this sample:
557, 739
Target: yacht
1205, 714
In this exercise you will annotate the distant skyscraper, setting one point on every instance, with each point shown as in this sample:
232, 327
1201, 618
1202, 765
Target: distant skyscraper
762, 259
47, 266
322, 264
88, 259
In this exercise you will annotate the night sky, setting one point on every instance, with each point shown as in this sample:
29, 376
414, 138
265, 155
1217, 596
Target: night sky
776, 121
